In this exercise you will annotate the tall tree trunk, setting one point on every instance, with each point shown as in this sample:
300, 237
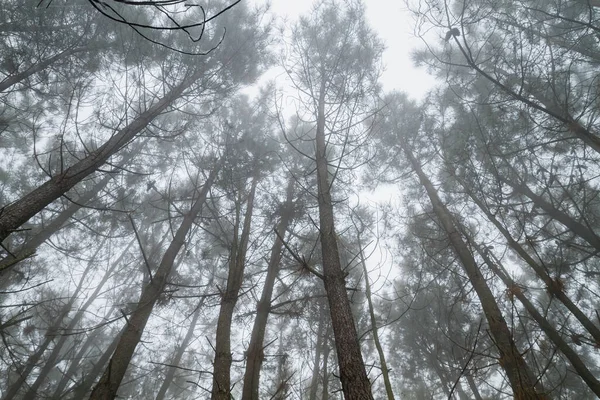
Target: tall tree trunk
515, 290
16, 214
39, 66
384, 369
107, 387
518, 374
555, 290
255, 353
33, 359
353, 375
166, 383
221, 387
314, 382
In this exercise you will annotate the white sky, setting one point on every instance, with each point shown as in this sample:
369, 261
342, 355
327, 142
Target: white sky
393, 23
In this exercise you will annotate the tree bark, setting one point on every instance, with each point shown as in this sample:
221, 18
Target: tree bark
107, 387
255, 353
353, 375
518, 374
16, 214
221, 387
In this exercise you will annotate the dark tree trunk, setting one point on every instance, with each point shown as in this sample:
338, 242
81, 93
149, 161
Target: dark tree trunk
16, 214
353, 375
29, 247
221, 389
107, 387
518, 374
255, 351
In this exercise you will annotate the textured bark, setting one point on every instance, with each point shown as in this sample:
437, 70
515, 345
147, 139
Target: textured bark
16, 214
578, 365
353, 375
37, 67
113, 375
255, 353
539, 270
518, 374
384, 369
221, 387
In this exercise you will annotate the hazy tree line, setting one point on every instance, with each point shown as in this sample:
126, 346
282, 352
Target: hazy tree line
166, 236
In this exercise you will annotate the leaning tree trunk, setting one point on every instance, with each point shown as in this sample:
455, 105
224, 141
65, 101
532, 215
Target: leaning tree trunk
221, 387
16, 214
353, 375
255, 351
107, 387
521, 380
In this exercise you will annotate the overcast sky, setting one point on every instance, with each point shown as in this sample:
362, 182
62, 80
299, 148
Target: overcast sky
392, 22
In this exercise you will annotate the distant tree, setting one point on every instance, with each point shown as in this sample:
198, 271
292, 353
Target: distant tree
333, 64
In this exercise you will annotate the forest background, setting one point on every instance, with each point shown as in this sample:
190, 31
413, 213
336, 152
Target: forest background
187, 201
